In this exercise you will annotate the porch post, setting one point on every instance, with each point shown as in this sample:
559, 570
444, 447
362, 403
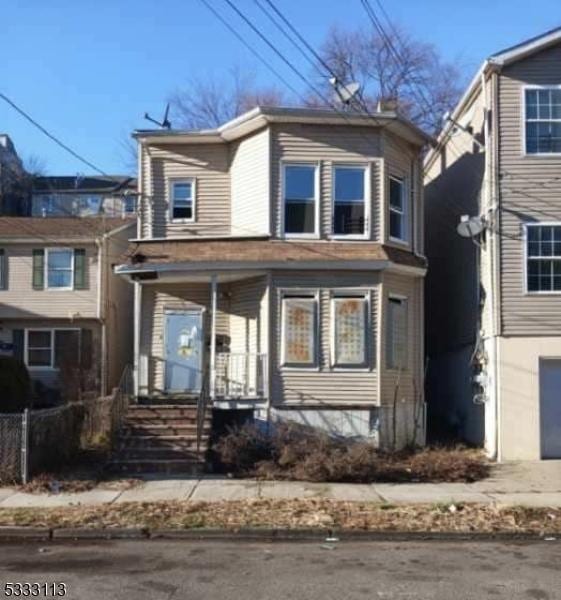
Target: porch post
213, 303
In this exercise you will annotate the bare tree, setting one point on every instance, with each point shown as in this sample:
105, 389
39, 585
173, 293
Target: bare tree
209, 103
402, 69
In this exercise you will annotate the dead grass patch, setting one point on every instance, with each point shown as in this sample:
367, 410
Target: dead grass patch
295, 452
294, 514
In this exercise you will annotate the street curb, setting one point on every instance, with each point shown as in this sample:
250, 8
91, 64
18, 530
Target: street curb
117, 533
27, 533
323, 536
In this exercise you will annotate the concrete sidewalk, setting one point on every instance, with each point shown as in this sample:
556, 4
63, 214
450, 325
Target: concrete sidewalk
530, 484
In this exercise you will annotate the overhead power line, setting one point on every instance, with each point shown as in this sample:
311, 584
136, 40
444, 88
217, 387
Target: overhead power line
51, 136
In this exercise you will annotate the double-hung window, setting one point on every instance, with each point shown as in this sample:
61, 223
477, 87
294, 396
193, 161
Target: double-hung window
349, 200
182, 200
543, 258
300, 200
299, 330
398, 209
52, 348
349, 326
3, 270
543, 120
59, 268
396, 333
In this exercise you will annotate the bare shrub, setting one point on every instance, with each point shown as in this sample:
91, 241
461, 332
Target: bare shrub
301, 453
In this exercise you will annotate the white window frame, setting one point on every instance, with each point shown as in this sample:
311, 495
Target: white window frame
367, 200
526, 258
405, 367
178, 180
300, 294
524, 120
360, 295
404, 214
52, 331
46, 269
3, 270
317, 195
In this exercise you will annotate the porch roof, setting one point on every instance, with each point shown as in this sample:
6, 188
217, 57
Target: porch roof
263, 252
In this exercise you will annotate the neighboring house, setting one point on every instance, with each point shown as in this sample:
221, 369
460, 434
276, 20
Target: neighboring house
494, 332
279, 268
14, 181
83, 196
62, 309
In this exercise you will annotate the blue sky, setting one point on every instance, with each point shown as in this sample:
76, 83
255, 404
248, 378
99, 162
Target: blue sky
88, 70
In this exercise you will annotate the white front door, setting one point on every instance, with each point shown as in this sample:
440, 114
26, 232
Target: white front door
550, 408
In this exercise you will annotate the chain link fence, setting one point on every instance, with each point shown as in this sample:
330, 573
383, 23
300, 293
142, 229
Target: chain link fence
40, 440
12, 451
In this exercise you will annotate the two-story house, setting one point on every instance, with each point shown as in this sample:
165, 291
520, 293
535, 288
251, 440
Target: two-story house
62, 309
494, 299
279, 265
83, 196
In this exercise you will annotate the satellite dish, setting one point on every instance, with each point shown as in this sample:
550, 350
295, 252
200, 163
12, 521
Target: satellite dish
344, 93
164, 123
469, 227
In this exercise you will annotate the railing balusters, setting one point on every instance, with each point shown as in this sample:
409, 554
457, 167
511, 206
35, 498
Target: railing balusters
241, 375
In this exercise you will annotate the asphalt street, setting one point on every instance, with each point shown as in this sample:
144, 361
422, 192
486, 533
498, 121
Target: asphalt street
192, 570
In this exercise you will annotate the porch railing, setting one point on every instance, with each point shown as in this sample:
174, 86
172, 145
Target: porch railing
241, 375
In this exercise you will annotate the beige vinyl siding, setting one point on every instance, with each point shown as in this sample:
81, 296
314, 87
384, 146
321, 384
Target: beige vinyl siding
324, 386
145, 190
326, 146
155, 301
51, 377
529, 193
209, 165
251, 196
117, 309
248, 316
21, 301
407, 382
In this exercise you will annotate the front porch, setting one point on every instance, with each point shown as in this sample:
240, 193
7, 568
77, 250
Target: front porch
204, 335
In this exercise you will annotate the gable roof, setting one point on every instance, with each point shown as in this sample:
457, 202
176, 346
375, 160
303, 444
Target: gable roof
261, 116
77, 184
59, 228
493, 63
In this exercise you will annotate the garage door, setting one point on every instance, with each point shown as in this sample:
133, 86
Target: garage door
550, 408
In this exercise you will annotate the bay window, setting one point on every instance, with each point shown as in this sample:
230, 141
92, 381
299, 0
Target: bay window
398, 210
349, 326
299, 330
349, 200
300, 191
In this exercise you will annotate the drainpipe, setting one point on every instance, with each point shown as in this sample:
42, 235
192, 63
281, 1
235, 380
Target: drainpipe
213, 300
101, 314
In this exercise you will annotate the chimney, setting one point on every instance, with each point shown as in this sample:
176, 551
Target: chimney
388, 104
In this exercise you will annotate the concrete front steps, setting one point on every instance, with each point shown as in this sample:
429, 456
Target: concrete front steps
161, 438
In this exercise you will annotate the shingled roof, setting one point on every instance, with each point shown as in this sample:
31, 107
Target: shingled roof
59, 227
266, 251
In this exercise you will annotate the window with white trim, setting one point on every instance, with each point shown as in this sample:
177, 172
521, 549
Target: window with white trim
299, 330
398, 209
182, 200
349, 346
396, 333
51, 348
349, 200
3, 270
543, 258
543, 120
59, 268
300, 199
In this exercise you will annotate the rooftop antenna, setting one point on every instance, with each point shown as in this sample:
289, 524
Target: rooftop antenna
344, 93
165, 123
